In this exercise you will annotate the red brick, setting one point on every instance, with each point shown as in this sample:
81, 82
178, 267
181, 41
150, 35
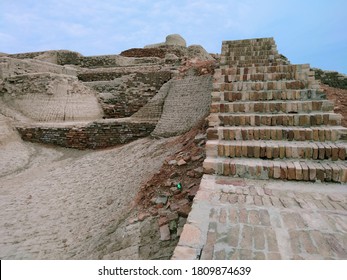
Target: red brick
342, 152
226, 169
320, 172
246, 237
312, 171
220, 150
305, 171
335, 171
259, 238
291, 171
284, 173
334, 152
328, 172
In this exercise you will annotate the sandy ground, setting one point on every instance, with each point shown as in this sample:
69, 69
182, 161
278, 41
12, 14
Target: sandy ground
53, 200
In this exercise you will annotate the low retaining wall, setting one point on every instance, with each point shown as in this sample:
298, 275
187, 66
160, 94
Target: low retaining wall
95, 135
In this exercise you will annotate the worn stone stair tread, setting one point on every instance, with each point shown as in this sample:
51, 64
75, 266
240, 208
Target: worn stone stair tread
273, 106
275, 119
261, 77
284, 68
271, 149
297, 170
268, 95
297, 133
272, 102
270, 114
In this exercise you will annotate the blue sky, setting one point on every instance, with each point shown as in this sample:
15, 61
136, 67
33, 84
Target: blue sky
305, 31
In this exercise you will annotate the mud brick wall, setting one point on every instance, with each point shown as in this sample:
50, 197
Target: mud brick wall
125, 95
187, 102
114, 61
29, 55
12, 66
65, 57
149, 77
96, 135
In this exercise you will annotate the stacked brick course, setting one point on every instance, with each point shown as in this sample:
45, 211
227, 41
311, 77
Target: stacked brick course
268, 119
95, 135
187, 102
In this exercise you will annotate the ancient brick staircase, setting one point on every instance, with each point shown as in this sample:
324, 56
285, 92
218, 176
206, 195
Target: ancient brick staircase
269, 120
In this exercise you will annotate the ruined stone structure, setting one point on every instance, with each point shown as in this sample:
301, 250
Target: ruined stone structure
269, 120
61, 97
170, 40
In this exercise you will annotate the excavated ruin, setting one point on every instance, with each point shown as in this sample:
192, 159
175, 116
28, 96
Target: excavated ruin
102, 156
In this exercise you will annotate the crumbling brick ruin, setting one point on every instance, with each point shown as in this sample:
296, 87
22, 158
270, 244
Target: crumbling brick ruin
268, 118
66, 99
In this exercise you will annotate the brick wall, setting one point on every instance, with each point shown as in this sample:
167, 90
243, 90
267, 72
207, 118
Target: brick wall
95, 135
124, 96
187, 102
12, 66
64, 57
154, 107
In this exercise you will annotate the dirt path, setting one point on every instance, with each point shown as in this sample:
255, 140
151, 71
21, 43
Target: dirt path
52, 206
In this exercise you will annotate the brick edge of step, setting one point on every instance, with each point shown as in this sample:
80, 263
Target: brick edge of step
303, 170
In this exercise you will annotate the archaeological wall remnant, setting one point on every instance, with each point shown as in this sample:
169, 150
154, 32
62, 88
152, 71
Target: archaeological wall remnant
67, 99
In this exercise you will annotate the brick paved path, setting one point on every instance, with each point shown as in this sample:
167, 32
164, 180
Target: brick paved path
62, 203
250, 219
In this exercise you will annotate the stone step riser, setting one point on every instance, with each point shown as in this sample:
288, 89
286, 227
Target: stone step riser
277, 133
251, 53
266, 77
284, 170
226, 65
280, 119
272, 107
266, 85
226, 46
249, 43
285, 150
224, 70
245, 58
258, 51
267, 95
246, 62
267, 63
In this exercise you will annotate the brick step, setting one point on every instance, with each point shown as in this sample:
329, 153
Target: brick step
242, 61
271, 149
302, 119
251, 64
237, 52
248, 44
267, 77
255, 58
227, 48
288, 133
303, 170
283, 68
304, 94
265, 85
274, 107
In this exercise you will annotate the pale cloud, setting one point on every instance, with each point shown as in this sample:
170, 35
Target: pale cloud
74, 29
